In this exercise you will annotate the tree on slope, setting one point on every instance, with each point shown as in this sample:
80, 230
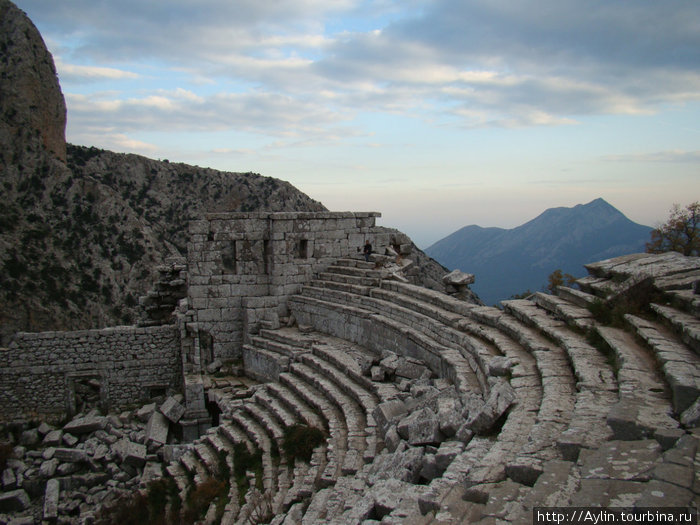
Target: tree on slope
681, 233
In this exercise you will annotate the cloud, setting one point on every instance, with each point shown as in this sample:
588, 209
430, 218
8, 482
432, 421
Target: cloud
299, 70
673, 156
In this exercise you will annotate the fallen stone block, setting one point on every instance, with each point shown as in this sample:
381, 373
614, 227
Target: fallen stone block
9, 480
51, 499
421, 428
53, 438
411, 369
157, 429
130, 453
384, 413
500, 366
70, 455
214, 366
85, 425
458, 278
447, 452
48, 468
500, 399
172, 409
144, 413
14, 500
69, 439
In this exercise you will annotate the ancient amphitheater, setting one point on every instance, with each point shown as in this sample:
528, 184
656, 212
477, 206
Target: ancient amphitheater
433, 409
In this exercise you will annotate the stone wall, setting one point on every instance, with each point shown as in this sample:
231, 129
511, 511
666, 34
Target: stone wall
48, 375
235, 256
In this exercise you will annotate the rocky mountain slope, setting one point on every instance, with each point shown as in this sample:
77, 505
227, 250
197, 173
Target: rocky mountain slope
81, 229
511, 261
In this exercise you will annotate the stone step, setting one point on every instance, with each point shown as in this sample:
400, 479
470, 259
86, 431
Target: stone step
282, 415
208, 458
356, 263
377, 332
574, 296
193, 465
338, 441
273, 346
644, 405
349, 279
426, 295
686, 300
355, 271
686, 326
176, 471
679, 364
559, 307
290, 337
262, 364
343, 287
265, 420
425, 328
262, 441
233, 435
295, 405
354, 390
677, 281
596, 383
441, 315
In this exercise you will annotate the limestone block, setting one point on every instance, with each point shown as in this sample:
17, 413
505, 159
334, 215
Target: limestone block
48, 468
29, 438
14, 500
70, 455
410, 369
51, 499
500, 399
385, 412
130, 453
422, 427
9, 480
53, 438
449, 413
458, 278
85, 425
172, 409
157, 429
144, 413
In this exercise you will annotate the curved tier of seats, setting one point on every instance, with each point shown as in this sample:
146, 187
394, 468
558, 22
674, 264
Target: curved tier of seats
590, 414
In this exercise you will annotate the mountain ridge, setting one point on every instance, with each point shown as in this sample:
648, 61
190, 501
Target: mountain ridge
510, 261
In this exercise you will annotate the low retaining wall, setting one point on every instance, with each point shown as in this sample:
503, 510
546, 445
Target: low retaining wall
48, 375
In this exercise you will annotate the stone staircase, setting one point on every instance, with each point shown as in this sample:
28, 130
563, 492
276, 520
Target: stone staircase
553, 406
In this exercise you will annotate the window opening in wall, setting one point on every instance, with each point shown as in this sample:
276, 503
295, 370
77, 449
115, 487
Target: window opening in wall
85, 394
156, 392
303, 249
229, 257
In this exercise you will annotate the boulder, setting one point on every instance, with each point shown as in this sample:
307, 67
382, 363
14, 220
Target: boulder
157, 429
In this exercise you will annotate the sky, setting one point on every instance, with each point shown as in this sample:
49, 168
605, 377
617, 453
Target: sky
439, 114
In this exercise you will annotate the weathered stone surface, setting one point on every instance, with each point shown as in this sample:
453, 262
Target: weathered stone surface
458, 278
386, 412
422, 427
48, 468
51, 499
9, 480
70, 455
621, 460
14, 500
500, 399
449, 413
172, 409
157, 428
85, 425
144, 413
501, 366
53, 438
130, 453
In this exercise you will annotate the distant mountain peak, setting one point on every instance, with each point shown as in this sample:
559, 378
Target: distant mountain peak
508, 262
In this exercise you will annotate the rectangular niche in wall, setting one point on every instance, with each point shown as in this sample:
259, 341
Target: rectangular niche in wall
303, 249
229, 257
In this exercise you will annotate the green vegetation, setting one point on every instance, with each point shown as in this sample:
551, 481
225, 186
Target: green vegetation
299, 442
681, 233
634, 300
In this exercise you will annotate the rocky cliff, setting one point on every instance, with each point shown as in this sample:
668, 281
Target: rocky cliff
81, 229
